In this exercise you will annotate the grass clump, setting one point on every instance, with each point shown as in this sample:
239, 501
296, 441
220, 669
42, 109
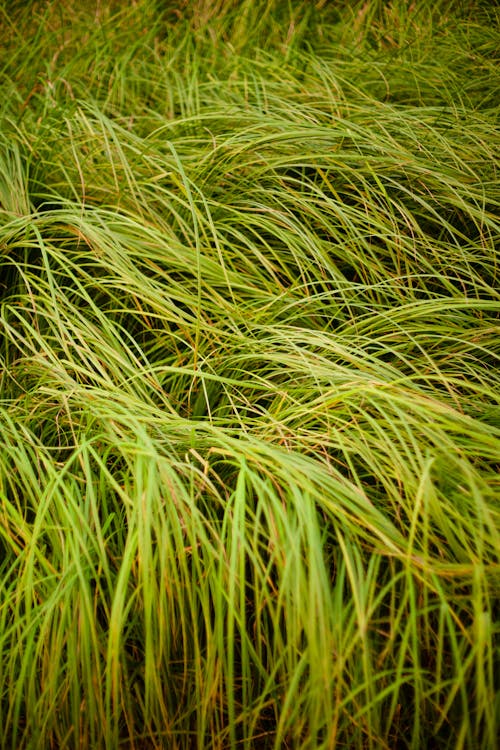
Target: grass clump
249, 392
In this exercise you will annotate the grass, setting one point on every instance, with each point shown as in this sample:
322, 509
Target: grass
249, 390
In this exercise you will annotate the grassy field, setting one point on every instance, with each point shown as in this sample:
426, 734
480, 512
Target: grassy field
249, 375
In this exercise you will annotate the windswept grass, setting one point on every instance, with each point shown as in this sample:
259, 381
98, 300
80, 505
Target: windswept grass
249, 414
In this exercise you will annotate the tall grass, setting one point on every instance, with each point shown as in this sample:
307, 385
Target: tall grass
249, 403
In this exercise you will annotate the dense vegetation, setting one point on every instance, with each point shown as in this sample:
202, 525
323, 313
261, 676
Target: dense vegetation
249, 389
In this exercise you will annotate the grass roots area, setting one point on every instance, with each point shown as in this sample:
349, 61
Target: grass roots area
249, 375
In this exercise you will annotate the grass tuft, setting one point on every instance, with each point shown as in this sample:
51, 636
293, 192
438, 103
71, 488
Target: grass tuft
249, 390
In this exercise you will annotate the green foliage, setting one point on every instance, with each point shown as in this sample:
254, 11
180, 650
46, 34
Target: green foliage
249, 390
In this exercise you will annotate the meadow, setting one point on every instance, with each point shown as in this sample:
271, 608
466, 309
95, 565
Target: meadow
249, 375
